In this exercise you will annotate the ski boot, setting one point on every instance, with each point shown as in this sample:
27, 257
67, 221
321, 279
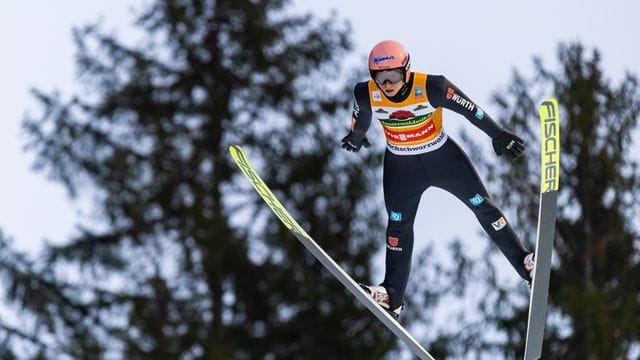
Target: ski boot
381, 297
529, 266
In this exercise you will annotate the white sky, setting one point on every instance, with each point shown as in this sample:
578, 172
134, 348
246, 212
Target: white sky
476, 44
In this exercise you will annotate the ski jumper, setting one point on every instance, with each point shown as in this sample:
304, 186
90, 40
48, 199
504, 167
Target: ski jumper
419, 155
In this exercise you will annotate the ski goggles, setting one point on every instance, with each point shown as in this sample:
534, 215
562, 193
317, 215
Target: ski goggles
393, 76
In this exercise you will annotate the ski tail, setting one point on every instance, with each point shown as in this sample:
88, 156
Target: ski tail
549, 185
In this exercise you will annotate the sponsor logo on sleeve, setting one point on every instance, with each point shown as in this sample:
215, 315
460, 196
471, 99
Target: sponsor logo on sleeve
479, 114
465, 103
499, 224
449, 93
395, 216
356, 109
392, 243
476, 200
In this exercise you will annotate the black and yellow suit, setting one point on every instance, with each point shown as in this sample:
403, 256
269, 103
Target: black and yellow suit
419, 155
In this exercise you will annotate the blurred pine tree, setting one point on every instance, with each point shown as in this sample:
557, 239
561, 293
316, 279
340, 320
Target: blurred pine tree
187, 263
594, 307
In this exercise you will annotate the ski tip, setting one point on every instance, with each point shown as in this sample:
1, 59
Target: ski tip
238, 155
235, 149
550, 101
549, 107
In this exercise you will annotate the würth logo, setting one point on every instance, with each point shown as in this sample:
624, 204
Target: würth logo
466, 103
450, 93
393, 241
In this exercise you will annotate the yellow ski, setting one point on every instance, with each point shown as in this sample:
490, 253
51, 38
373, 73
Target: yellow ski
550, 176
249, 171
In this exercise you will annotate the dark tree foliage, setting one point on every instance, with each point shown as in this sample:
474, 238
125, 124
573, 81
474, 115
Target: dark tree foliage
594, 307
185, 261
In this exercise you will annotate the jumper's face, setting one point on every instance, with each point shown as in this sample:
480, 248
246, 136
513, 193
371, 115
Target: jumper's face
391, 89
390, 81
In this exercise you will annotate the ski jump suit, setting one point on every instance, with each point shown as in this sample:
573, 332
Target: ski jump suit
419, 155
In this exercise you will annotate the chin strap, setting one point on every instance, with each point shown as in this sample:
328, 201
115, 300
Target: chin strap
404, 91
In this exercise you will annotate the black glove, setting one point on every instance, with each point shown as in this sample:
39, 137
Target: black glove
350, 143
508, 143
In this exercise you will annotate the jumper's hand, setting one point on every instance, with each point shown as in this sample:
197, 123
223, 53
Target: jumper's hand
350, 143
508, 143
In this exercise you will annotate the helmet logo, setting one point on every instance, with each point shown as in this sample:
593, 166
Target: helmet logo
379, 59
